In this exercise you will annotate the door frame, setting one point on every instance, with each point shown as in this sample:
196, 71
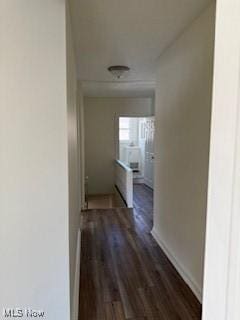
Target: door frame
116, 133
81, 145
222, 257
145, 180
116, 128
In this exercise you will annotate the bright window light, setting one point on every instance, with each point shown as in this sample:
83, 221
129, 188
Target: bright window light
124, 129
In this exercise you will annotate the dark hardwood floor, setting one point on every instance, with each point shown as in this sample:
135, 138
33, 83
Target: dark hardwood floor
124, 273
143, 203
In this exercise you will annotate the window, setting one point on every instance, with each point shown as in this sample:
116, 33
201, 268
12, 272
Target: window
124, 129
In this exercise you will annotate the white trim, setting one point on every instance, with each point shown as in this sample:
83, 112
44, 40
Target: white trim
76, 289
81, 145
178, 265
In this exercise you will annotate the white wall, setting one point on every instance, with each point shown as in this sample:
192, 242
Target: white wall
183, 110
35, 196
74, 169
101, 115
222, 259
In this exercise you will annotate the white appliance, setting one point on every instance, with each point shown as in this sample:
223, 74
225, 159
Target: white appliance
132, 157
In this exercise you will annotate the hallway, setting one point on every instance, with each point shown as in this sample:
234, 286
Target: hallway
124, 273
99, 95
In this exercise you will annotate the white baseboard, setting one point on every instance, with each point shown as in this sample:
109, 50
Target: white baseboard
75, 305
179, 267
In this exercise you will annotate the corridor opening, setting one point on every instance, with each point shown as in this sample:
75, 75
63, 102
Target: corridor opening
180, 101
136, 147
135, 154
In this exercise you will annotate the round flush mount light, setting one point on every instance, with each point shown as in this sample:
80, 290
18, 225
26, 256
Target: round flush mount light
118, 71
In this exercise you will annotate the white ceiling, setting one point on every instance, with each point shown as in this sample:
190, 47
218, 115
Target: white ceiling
128, 32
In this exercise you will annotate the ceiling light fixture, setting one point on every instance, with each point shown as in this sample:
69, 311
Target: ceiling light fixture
118, 71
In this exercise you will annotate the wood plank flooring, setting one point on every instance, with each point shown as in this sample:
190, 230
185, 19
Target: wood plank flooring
124, 273
143, 203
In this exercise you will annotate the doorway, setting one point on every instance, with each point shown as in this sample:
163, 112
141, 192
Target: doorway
136, 152
136, 147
